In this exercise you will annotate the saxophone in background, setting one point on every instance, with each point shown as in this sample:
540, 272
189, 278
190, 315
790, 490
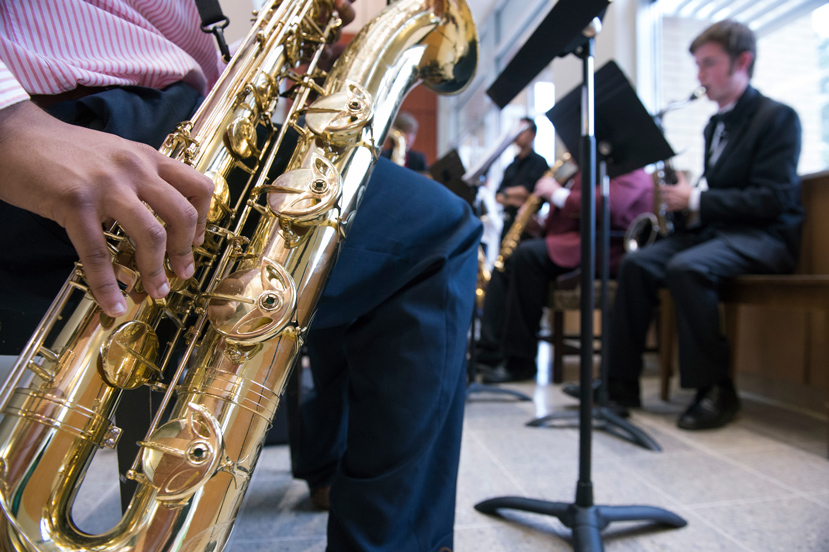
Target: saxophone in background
563, 170
237, 325
398, 146
646, 227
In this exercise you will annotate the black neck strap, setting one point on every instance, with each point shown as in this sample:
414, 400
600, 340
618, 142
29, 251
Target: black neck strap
213, 21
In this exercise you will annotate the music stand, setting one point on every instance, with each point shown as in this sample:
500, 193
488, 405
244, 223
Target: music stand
618, 110
584, 517
449, 171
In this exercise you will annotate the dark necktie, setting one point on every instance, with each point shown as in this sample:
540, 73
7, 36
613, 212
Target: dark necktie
718, 139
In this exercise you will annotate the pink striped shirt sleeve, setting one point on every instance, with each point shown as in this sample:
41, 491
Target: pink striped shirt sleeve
51, 46
10, 90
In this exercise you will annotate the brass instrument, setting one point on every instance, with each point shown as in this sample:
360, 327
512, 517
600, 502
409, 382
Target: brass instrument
562, 171
646, 227
473, 177
239, 322
398, 149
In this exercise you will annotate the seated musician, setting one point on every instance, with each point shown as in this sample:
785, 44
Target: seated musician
515, 297
747, 220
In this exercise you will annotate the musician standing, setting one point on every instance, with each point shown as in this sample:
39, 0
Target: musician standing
745, 218
521, 175
88, 90
515, 297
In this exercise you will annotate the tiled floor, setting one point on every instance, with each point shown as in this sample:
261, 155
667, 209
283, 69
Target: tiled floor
759, 485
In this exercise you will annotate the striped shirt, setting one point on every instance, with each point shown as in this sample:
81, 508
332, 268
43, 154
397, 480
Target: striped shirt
51, 46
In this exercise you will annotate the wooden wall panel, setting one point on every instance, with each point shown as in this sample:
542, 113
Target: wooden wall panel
422, 103
773, 343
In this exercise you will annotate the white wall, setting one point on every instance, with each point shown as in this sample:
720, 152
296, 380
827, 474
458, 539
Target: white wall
239, 12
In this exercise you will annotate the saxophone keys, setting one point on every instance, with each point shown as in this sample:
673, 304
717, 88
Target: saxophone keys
253, 305
306, 194
240, 138
183, 454
339, 118
220, 203
129, 354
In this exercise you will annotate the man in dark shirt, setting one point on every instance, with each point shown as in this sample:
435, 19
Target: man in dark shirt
521, 175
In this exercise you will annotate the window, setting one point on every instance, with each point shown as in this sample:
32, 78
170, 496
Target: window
792, 66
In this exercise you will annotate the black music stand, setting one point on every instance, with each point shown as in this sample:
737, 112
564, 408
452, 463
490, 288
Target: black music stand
584, 517
449, 171
618, 110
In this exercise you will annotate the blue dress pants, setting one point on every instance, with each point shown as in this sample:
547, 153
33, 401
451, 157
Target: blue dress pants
387, 350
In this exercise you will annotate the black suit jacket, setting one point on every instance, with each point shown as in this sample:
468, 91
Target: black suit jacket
753, 200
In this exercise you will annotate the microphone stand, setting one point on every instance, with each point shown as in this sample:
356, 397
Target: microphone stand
583, 516
613, 84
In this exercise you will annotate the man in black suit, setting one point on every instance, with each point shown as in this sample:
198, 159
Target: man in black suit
744, 217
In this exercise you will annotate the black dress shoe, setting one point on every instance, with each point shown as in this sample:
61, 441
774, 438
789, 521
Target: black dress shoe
621, 393
511, 370
713, 407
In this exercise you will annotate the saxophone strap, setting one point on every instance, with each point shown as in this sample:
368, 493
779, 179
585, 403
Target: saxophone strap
214, 21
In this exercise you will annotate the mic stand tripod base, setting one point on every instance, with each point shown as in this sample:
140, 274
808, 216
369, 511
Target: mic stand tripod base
604, 418
475, 387
585, 522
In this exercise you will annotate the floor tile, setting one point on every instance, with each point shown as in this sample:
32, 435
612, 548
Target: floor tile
761, 484
792, 524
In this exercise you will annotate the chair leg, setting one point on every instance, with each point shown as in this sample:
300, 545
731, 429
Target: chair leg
826, 336
730, 313
558, 346
667, 325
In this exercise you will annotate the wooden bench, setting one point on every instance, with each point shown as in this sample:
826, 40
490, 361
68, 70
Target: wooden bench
807, 288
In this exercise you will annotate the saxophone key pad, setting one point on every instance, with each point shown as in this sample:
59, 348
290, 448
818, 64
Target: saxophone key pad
129, 355
308, 193
183, 454
339, 118
253, 305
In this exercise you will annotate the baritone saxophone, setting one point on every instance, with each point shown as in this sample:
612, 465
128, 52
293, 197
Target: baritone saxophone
225, 340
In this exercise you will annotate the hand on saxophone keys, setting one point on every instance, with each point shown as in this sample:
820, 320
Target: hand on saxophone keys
514, 196
546, 187
676, 196
83, 178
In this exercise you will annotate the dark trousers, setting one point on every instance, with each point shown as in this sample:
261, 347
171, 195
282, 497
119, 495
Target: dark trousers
387, 351
399, 303
691, 265
514, 302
